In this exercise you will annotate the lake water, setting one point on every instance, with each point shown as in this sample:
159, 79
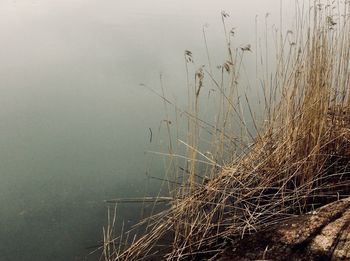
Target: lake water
74, 119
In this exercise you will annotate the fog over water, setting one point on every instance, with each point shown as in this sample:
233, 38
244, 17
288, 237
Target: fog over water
74, 120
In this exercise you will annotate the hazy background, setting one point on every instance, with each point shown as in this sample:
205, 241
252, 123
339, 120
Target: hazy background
73, 118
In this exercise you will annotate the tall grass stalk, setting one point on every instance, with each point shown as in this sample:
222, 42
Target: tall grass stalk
294, 159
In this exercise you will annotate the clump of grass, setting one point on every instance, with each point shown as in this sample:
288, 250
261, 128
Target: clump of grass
296, 160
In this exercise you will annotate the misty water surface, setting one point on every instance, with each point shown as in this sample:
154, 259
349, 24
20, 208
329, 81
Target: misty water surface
74, 119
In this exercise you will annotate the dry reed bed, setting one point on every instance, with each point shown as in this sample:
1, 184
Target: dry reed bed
299, 160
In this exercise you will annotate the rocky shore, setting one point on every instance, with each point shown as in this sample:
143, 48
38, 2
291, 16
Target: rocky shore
323, 234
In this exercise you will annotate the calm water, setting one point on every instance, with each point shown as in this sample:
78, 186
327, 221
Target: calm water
73, 117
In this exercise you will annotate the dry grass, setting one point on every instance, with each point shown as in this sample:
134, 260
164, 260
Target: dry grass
298, 160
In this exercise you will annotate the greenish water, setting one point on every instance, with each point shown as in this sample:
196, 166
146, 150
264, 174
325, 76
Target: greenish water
74, 119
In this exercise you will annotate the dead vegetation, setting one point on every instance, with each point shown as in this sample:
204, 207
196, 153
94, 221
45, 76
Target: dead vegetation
295, 160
